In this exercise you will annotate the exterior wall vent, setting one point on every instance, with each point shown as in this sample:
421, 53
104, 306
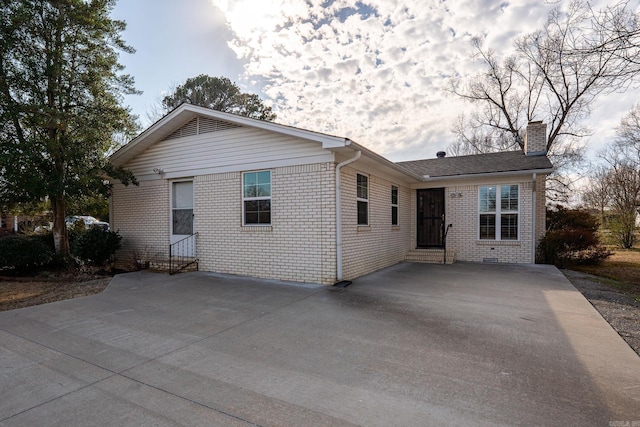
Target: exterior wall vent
208, 125
200, 125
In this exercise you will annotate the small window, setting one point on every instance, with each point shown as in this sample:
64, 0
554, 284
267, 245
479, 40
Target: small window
394, 205
499, 212
256, 198
363, 199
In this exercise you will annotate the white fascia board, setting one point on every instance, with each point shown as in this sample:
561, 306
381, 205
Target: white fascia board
326, 140
148, 134
383, 160
377, 161
427, 178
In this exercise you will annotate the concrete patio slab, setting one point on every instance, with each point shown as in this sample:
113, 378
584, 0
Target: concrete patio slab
411, 344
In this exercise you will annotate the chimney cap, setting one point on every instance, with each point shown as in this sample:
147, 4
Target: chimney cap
441, 154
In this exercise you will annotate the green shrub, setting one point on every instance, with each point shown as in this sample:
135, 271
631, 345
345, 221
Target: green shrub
46, 238
571, 239
96, 246
74, 232
560, 217
24, 253
591, 256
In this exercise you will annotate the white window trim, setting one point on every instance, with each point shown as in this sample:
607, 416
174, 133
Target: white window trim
395, 205
171, 208
171, 200
498, 212
360, 199
244, 224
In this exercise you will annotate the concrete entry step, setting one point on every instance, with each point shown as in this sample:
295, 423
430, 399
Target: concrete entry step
430, 256
162, 266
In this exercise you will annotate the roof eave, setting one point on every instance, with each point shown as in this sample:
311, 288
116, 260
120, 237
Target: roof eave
354, 146
427, 178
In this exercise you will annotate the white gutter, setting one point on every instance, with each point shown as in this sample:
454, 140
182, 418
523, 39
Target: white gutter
339, 214
427, 178
533, 194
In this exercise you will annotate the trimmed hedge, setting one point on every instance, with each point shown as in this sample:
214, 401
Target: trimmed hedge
95, 246
24, 253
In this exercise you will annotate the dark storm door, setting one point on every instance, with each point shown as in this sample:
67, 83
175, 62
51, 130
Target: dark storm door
430, 217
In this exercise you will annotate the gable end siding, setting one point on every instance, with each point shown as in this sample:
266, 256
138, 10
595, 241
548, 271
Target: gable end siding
201, 125
228, 150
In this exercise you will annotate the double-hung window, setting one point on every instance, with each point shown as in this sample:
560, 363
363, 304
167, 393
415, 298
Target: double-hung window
256, 198
363, 199
499, 212
394, 205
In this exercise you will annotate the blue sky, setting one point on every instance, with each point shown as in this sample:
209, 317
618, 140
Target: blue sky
373, 71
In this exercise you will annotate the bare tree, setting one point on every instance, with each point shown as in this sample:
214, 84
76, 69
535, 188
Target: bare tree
477, 139
555, 75
628, 136
597, 194
621, 177
624, 184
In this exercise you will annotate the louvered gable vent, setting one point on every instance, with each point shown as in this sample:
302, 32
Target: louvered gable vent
200, 125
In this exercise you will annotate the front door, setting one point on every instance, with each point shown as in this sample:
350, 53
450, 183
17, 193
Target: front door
182, 218
430, 217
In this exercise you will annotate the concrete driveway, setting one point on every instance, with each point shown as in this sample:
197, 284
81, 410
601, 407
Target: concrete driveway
464, 344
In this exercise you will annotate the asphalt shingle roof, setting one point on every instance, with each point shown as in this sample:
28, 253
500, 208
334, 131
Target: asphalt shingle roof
506, 161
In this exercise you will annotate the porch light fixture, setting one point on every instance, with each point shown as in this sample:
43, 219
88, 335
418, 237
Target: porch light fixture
159, 171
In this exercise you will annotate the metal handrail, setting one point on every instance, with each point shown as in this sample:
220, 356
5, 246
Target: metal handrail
181, 244
444, 242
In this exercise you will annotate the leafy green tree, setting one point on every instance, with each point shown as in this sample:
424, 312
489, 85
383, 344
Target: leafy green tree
61, 91
218, 93
96, 205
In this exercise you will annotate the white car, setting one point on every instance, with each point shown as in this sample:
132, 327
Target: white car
89, 222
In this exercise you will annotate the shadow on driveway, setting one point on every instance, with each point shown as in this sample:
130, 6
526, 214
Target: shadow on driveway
412, 344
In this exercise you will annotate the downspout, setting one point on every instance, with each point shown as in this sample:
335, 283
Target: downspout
535, 214
339, 214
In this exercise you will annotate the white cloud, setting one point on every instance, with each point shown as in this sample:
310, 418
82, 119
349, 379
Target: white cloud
374, 71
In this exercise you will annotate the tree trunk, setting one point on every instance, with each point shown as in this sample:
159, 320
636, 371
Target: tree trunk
60, 235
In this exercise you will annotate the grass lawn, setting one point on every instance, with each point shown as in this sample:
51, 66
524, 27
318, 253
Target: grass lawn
622, 269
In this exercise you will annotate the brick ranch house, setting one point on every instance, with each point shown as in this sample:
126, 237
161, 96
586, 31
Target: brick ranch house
271, 201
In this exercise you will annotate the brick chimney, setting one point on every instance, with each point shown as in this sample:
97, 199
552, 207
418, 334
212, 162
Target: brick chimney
535, 139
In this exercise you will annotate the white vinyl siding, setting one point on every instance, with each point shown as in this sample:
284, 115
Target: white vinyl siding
228, 150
